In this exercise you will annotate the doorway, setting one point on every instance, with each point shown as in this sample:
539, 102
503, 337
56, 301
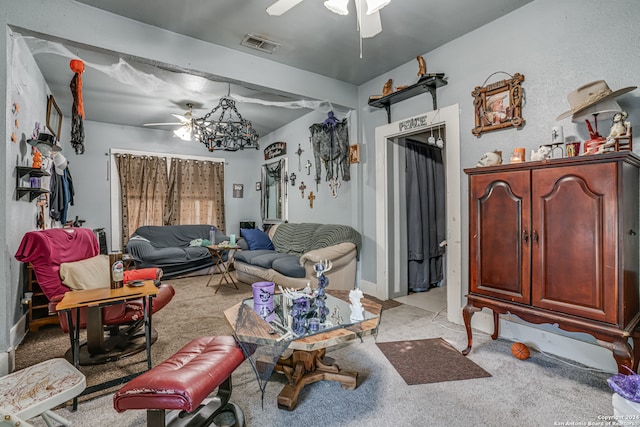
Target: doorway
391, 221
421, 206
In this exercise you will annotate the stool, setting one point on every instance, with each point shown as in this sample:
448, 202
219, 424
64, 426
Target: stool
183, 381
36, 390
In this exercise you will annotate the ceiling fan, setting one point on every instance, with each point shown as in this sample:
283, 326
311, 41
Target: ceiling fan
185, 122
368, 18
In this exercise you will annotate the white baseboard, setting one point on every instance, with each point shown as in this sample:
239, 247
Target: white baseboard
18, 332
16, 335
369, 288
552, 342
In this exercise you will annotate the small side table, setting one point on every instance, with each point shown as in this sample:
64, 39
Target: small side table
94, 300
221, 266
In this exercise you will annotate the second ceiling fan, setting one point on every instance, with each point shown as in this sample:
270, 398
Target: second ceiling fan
367, 12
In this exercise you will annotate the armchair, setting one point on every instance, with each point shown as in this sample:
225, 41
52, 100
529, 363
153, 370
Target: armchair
50, 250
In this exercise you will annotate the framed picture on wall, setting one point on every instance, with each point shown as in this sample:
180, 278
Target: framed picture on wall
498, 105
54, 117
354, 153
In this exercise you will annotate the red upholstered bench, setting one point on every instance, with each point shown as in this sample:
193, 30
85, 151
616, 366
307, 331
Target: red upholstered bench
182, 383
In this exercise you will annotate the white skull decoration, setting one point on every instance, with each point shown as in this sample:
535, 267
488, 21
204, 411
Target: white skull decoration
490, 158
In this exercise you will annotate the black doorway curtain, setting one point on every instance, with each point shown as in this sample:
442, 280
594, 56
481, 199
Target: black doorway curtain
426, 230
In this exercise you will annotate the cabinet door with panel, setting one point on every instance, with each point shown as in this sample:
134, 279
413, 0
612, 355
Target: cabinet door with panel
574, 256
499, 224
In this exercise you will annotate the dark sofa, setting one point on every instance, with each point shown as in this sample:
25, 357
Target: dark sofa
168, 247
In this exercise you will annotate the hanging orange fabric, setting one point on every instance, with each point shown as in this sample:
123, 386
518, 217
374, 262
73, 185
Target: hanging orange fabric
77, 66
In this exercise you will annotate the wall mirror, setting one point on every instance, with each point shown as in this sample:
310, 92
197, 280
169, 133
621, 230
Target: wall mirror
273, 206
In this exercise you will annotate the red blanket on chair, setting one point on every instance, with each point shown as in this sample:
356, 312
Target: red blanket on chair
47, 249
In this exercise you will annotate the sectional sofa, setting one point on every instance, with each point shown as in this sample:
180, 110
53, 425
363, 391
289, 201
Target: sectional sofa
288, 253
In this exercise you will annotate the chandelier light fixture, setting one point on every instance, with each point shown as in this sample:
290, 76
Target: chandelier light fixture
230, 132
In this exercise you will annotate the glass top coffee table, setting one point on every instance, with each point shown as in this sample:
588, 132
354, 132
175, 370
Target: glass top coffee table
307, 363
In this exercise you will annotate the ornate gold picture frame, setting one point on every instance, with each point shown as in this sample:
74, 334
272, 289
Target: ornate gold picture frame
498, 105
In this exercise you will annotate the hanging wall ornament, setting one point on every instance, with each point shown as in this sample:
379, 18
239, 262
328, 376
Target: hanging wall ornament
299, 152
330, 142
77, 112
308, 166
302, 188
334, 184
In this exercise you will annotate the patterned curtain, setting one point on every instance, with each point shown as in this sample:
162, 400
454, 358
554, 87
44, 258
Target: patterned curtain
196, 193
143, 191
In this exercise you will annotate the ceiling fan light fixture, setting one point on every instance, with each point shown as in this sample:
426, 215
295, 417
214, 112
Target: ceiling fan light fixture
337, 6
375, 5
183, 132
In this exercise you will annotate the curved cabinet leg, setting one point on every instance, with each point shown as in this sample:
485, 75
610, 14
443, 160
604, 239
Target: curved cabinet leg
496, 325
622, 354
467, 312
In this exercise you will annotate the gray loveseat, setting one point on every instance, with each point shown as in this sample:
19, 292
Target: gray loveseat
168, 247
297, 248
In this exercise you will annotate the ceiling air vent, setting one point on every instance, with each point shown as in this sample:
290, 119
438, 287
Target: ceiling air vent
259, 43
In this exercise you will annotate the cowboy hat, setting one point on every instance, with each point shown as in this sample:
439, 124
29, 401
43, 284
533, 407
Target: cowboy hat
45, 143
590, 94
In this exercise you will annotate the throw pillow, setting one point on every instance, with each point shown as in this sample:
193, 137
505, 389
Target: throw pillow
90, 273
256, 239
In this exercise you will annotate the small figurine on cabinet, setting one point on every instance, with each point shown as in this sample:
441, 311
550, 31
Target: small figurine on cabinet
619, 125
543, 153
491, 158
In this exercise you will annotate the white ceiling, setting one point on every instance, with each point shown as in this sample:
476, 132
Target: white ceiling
312, 38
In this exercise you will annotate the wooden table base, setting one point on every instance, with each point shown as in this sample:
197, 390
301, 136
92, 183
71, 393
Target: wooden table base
307, 367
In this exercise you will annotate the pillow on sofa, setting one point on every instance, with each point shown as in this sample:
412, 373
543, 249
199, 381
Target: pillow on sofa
90, 273
256, 239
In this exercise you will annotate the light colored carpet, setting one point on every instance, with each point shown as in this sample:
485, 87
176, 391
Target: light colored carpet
540, 391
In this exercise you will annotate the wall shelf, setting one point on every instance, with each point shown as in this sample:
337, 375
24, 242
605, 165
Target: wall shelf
33, 193
425, 84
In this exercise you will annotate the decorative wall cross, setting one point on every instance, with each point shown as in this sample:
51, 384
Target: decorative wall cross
311, 197
292, 178
302, 188
308, 166
299, 153
334, 184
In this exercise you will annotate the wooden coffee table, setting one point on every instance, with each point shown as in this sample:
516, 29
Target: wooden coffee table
307, 363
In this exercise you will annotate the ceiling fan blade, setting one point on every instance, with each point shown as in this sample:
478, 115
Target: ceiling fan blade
370, 25
162, 124
281, 6
183, 119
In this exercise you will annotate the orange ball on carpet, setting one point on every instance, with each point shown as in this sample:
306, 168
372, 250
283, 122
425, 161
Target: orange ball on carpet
520, 351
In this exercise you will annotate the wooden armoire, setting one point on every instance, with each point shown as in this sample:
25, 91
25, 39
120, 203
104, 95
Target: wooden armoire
556, 242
